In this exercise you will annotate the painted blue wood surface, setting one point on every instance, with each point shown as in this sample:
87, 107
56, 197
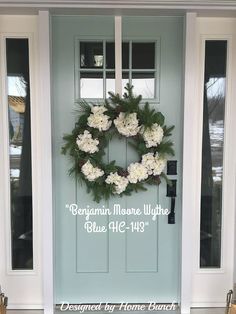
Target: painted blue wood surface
115, 267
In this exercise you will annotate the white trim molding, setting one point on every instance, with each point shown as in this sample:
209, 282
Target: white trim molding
160, 4
189, 159
29, 280
46, 158
211, 285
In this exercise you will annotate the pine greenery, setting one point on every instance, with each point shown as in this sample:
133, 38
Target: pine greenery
146, 115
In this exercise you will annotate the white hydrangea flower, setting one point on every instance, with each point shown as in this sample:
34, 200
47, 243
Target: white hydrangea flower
119, 182
127, 125
154, 164
159, 166
91, 173
98, 119
98, 109
86, 143
137, 172
153, 135
148, 161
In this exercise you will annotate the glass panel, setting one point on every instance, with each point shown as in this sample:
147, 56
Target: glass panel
20, 153
125, 80
110, 55
110, 83
91, 54
144, 84
143, 55
125, 55
91, 85
212, 153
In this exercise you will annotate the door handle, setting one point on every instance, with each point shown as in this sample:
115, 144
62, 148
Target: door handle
171, 216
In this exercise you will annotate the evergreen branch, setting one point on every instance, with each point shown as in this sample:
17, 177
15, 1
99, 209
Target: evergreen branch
146, 115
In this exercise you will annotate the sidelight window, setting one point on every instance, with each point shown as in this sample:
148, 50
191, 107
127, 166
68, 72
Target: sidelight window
18, 82
213, 153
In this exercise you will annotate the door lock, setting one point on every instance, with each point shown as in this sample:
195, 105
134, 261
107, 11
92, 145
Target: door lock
171, 216
171, 192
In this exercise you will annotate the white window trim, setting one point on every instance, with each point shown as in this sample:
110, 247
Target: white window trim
7, 193
203, 40
118, 40
207, 29
19, 27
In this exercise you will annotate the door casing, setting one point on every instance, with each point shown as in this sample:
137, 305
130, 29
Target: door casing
30, 281
219, 281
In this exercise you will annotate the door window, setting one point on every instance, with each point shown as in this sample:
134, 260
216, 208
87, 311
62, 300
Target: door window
96, 72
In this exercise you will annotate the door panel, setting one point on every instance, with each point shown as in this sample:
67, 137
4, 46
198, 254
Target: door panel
115, 267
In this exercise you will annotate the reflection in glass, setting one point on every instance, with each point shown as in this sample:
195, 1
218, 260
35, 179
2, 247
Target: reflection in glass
110, 83
110, 55
20, 153
143, 56
91, 85
91, 54
125, 55
212, 153
144, 84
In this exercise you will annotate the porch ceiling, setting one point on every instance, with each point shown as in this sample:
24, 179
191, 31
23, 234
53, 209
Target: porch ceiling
223, 8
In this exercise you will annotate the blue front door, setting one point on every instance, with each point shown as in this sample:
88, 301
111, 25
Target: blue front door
116, 267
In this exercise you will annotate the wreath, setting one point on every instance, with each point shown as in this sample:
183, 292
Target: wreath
145, 131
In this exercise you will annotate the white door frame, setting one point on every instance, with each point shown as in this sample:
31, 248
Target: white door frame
219, 281
45, 122
30, 281
189, 159
198, 283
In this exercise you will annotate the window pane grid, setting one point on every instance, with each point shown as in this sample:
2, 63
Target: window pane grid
103, 59
91, 70
147, 88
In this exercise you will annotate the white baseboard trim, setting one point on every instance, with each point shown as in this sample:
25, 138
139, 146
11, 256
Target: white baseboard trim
209, 304
15, 306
